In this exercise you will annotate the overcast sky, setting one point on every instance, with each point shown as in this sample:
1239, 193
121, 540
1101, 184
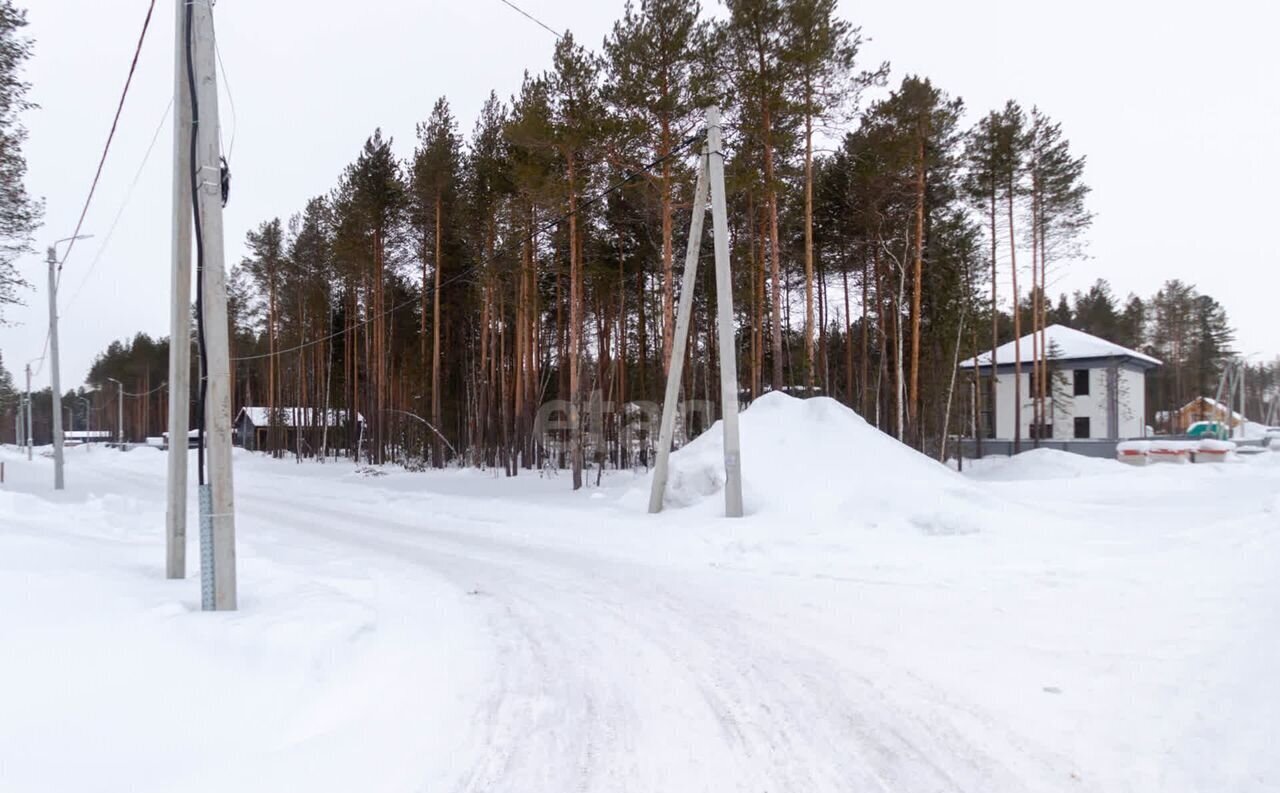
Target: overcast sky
1174, 103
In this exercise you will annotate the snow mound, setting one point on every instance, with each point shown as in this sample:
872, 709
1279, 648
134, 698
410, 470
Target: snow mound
815, 459
1041, 464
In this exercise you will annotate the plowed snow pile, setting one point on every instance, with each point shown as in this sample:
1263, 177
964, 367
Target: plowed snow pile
815, 460
1038, 464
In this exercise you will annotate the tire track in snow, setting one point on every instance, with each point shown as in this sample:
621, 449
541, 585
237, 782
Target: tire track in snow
830, 731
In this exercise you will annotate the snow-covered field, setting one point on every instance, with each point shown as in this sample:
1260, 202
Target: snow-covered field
877, 623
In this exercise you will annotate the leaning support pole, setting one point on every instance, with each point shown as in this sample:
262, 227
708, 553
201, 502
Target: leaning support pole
676, 370
175, 519
724, 314
208, 176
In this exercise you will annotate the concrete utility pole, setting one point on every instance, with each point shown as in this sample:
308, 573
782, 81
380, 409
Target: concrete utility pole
119, 413
217, 499
30, 431
675, 372
55, 375
55, 379
710, 172
724, 306
175, 518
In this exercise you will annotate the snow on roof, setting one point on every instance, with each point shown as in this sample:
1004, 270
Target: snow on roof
1065, 344
259, 416
1213, 404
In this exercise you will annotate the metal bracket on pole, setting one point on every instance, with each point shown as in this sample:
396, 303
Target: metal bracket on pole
207, 561
710, 175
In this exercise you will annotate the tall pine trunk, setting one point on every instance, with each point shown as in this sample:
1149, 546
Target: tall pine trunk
1017, 330
808, 245
913, 401
575, 331
668, 258
438, 449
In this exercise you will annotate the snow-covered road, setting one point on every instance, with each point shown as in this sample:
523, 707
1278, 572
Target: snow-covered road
1089, 629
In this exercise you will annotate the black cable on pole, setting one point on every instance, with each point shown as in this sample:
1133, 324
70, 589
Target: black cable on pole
202, 388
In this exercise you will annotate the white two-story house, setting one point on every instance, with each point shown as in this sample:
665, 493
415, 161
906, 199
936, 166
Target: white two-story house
1098, 388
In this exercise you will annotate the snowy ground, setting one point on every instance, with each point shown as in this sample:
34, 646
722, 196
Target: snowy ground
1045, 623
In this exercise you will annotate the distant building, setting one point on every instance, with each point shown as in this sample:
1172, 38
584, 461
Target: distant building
254, 423
76, 437
1097, 389
162, 442
1203, 409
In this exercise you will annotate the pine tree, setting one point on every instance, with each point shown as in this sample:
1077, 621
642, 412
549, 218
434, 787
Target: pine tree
531, 164
265, 264
377, 194
19, 212
435, 214
309, 276
1096, 311
820, 50
576, 123
926, 123
1011, 144
1058, 218
983, 156
8, 396
753, 38
487, 185
655, 75
1132, 325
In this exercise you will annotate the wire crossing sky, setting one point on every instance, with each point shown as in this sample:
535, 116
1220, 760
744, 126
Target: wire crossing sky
1171, 103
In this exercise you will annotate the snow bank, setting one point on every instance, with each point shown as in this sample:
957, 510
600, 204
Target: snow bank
814, 459
320, 677
1214, 445
1255, 432
1178, 452
1040, 464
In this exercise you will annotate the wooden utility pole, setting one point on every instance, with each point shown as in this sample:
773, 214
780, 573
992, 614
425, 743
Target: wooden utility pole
217, 500
175, 519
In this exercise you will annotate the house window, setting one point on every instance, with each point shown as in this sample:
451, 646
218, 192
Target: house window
1082, 382
988, 429
1041, 431
1082, 427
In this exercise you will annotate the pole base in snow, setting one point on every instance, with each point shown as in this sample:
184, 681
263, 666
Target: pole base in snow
206, 548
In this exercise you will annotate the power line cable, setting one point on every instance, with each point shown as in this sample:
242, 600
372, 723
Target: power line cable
530, 17
123, 205
146, 393
115, 122
628, 177
231, 100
